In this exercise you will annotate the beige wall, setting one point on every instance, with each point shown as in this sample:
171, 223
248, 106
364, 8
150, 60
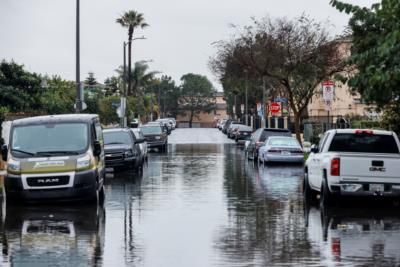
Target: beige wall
345, 103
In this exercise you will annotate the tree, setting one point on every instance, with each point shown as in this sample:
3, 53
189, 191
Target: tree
112, 86
58, 96
131, 20
168, 95
197, 95
375, 53
140, 76
289, 56
19, 90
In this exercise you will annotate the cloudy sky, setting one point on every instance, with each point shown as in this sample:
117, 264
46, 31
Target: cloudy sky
41, 33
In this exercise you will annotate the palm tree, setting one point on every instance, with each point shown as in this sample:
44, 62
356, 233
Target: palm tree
139, 75
131, 20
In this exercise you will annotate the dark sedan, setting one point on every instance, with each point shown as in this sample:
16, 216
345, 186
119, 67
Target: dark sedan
122, 149
242, 133
155, 136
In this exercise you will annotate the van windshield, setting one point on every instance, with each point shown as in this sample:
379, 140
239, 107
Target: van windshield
49, 139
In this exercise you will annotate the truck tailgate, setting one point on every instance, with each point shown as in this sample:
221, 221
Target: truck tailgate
364, 166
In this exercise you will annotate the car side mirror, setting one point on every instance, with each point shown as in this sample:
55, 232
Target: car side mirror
139, 141
314, 149
4, 152
96, 148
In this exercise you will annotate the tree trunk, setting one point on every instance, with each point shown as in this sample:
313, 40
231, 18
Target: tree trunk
191, 118
297, 126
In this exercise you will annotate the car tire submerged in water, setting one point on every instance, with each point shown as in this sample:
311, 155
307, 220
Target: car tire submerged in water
327, 199
308, 193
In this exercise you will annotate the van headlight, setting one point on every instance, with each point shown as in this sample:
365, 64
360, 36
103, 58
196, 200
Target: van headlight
83, 162
13, 165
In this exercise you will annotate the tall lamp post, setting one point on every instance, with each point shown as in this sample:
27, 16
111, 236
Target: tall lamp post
123, 122
78, 104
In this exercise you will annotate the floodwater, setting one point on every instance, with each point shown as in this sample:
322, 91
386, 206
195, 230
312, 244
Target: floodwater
201, 204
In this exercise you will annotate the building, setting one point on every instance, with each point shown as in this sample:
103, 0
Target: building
204, 119
345, 103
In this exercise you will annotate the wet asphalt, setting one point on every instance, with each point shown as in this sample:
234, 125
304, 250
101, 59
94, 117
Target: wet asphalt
202, 204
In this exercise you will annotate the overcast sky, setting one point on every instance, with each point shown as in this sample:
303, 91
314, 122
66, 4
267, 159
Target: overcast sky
41, 33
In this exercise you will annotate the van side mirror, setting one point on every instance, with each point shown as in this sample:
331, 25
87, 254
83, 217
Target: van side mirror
139, 141
4, 152
314, 149
97, 149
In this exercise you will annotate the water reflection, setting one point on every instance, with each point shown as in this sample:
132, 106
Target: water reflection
365, 234
52, 235
264, 225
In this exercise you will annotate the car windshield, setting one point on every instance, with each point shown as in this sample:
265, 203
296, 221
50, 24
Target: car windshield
283, 142
117, 137
151, 130
55, 138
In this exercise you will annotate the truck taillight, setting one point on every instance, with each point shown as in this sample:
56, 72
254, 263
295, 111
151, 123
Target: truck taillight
370, 132
335, 246
335, 167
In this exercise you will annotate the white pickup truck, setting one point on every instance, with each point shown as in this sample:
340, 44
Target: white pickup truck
353, 162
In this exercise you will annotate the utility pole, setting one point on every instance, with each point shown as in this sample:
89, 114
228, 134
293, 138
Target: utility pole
78, 104
124, 93
246, 100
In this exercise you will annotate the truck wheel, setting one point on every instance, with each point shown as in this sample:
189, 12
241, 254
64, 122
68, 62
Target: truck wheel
327, 199
308, 193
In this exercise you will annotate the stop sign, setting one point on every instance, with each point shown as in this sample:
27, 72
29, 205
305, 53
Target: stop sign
275, 107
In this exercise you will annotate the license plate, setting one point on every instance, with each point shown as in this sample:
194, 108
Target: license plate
376, 187
285, 153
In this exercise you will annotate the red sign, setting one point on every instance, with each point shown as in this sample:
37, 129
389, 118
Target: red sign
275, 107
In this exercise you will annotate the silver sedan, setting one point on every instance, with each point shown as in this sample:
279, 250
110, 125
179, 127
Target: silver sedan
281, 149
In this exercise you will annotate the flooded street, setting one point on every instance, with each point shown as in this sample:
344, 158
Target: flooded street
201, 204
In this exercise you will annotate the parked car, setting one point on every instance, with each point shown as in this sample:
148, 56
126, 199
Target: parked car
155, 137
221, 124
58, 157
259, 137
122, 149
167, 123
143, 146
242, 133
281, 149
234, 125
226, 126
354, 163
163, 126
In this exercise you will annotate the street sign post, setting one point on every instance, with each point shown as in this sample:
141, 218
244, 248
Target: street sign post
328, 88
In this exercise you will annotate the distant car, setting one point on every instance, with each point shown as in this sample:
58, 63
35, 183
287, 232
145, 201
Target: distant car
242, 133
163, 126
135, 123
232, 128
122, 149
221, 124
173, 122
226, 126
155, 136
143, 146
281, 149
168, 123
259, 137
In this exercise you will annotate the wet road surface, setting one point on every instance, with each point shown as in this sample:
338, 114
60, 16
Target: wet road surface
201, 205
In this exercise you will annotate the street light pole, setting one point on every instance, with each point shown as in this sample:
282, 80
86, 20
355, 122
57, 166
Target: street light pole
246, 104
78, 104
123, 107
